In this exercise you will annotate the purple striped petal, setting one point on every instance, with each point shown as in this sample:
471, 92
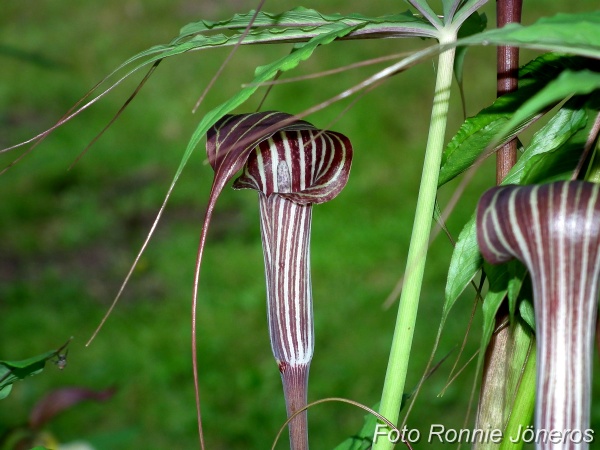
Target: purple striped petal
555, 230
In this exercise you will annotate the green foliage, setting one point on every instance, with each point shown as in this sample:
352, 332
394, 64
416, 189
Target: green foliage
464, 265
299, 24
363, 440
495, 125
564, 33
567, 84
11, 371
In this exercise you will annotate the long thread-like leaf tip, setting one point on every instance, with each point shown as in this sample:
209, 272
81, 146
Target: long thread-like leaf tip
74, 111
118, 113
134, 265
365, 408
555, 230
233, 50
195, 370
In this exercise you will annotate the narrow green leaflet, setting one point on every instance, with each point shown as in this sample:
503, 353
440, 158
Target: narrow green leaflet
566, 33
297, 25
492, 126
568, 83
427, 12
562, 162
498, 287
11, 371
476, 133
464, 265
527, 312
566, 123
303, 19
516, 275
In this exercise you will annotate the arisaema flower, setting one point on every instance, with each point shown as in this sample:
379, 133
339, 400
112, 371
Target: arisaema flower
292, 165
554, 229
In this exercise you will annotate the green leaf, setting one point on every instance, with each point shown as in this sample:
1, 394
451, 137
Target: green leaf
517, 273
427, 12
294, 26
498, 277
300, 22
11, 371
562, 162
527, 312
363, 440
565, 124
566, 33
464, 265
450, 7
478, 133
523, 405
466, 10
567, 84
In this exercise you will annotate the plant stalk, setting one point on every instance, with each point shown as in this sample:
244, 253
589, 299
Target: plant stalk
395, 377
507, 11
495, 395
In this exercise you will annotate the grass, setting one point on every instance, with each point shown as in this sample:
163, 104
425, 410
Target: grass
68, 237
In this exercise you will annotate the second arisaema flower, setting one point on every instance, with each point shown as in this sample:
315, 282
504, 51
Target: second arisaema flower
293, 166
554, 229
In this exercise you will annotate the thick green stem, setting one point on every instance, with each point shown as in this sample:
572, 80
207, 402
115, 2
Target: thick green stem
395, 378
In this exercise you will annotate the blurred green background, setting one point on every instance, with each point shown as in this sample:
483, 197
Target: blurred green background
68, 237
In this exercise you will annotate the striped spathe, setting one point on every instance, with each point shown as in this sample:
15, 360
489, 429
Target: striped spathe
292, 167
554, 229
